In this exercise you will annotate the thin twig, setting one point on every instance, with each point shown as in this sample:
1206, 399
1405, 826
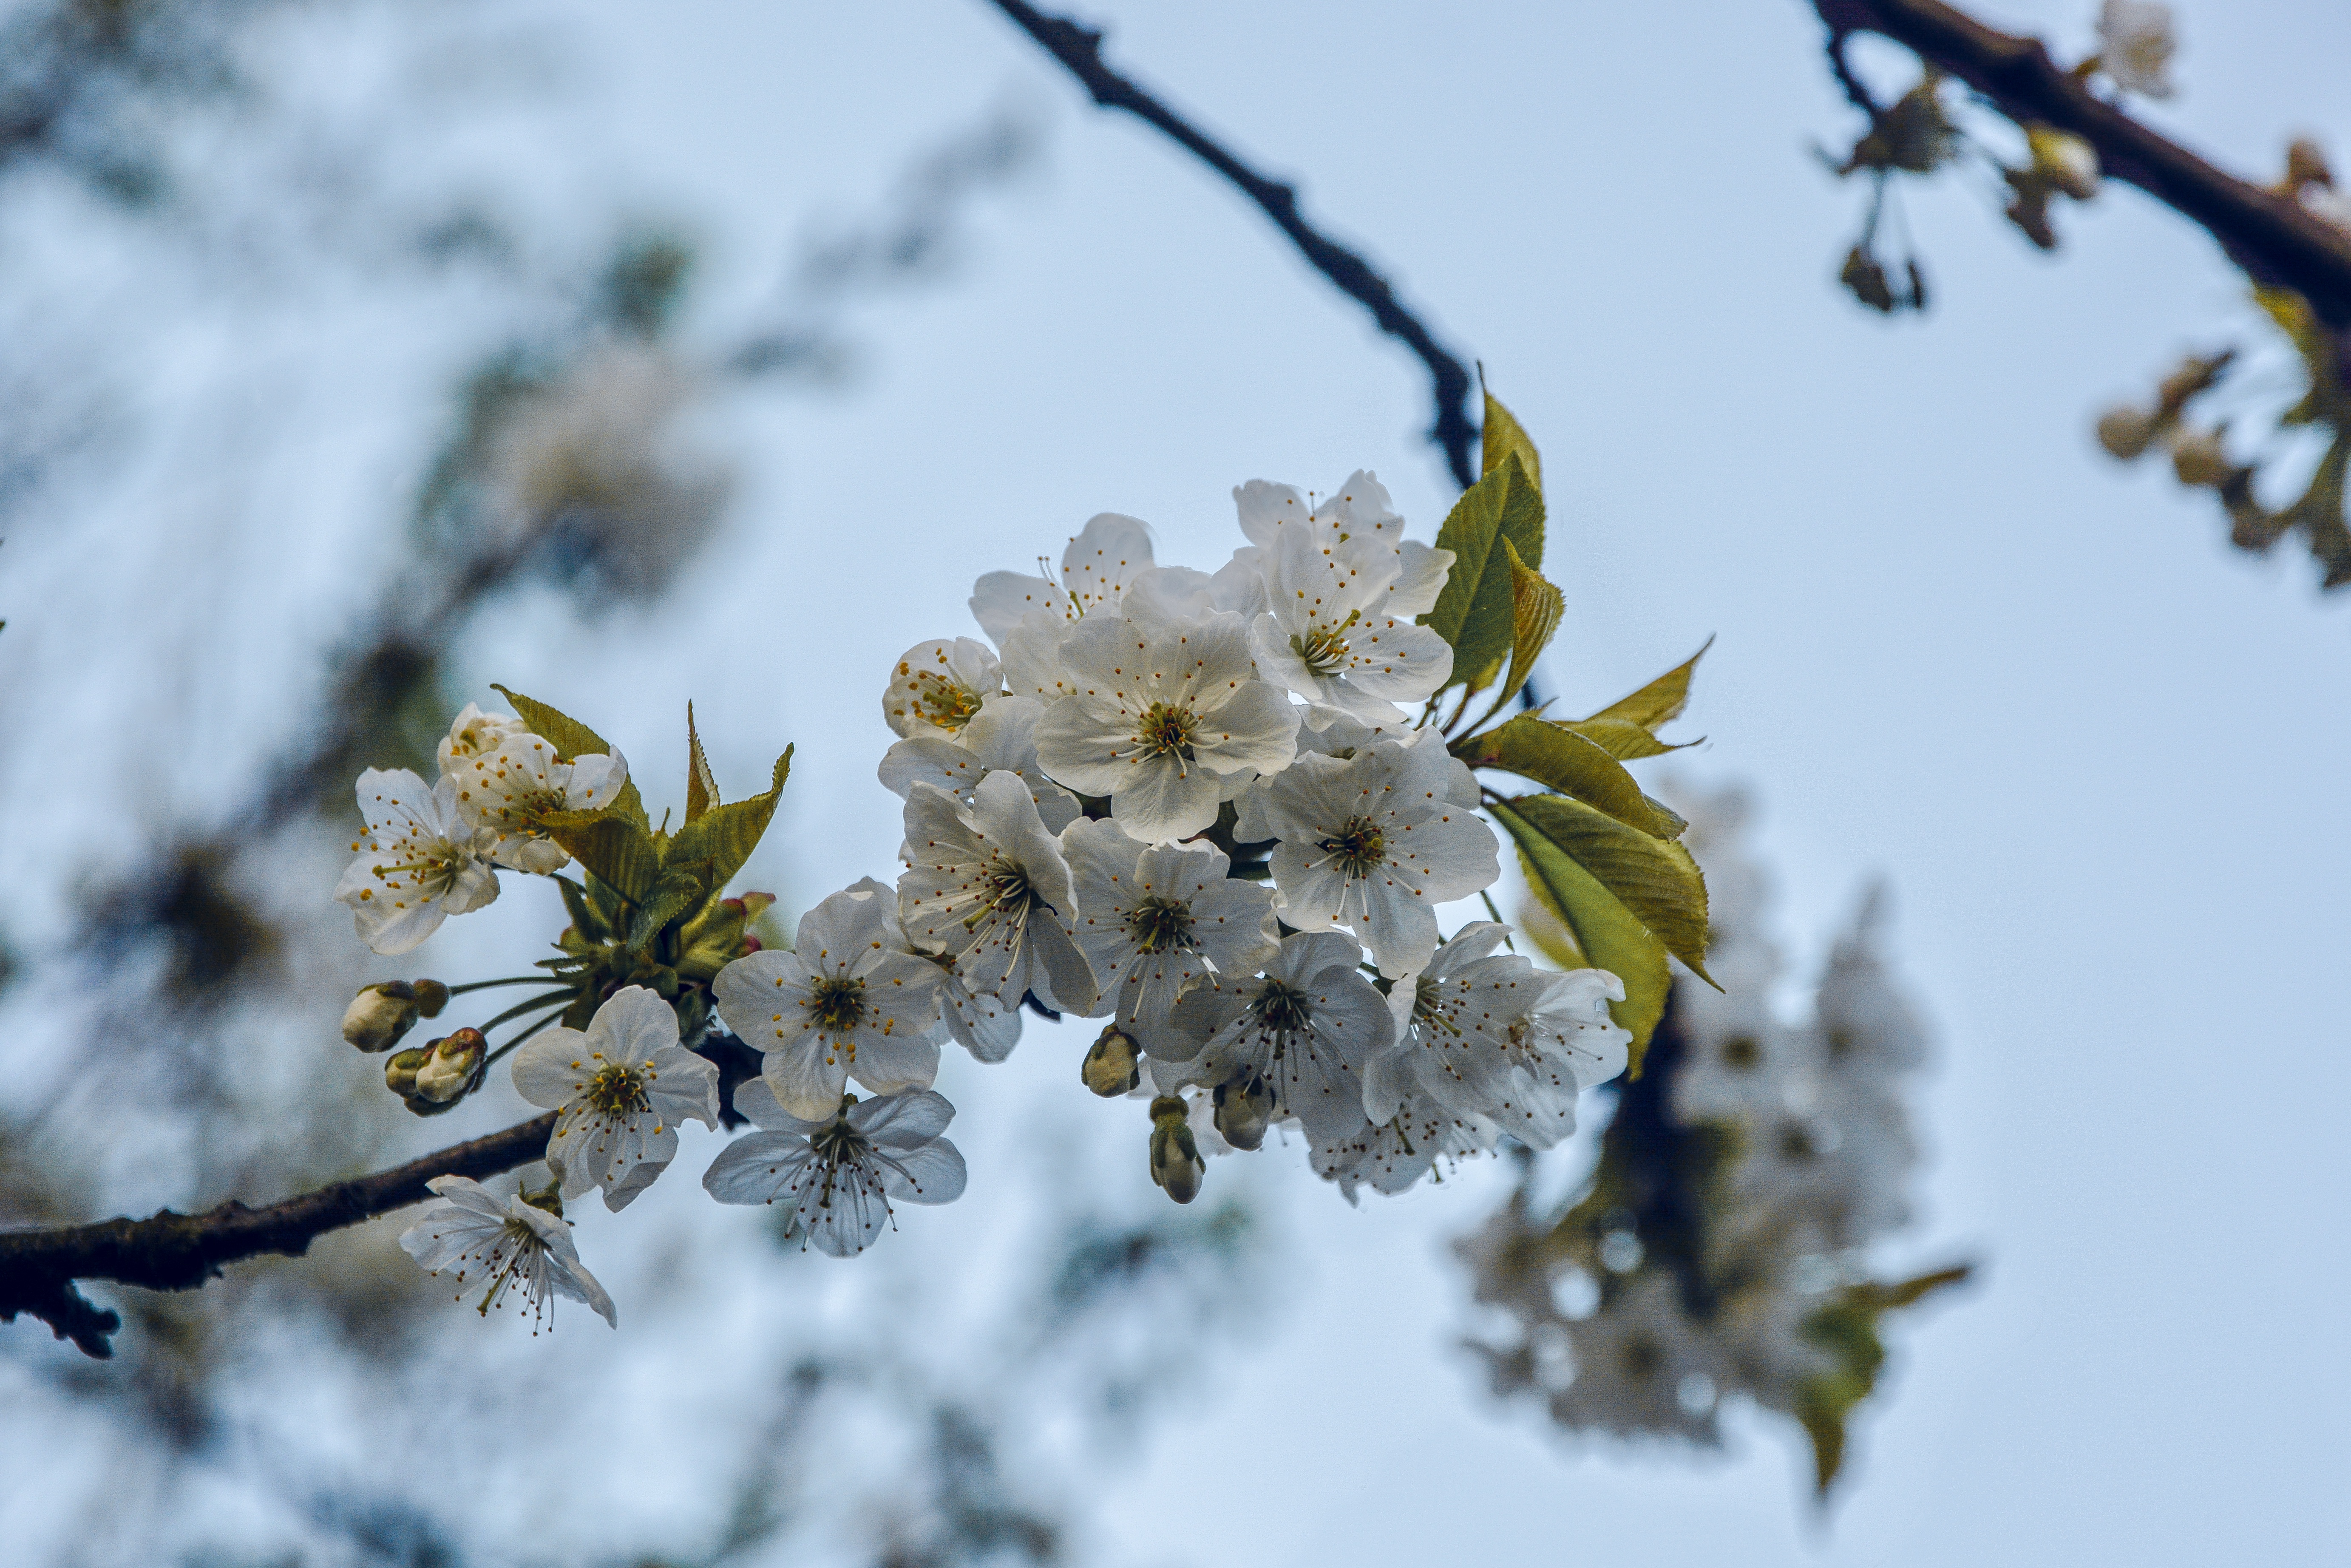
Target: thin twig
2271, 237
1079, 49
168, 1252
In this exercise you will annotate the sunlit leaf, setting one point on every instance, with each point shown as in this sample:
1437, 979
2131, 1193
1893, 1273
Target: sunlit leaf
571, 739
1605, 934
726, 835
1621, 738
1552, 755
1654, 878
1475, 612
1659, 701
1535, 608
1504, 437
701, 787
615, 850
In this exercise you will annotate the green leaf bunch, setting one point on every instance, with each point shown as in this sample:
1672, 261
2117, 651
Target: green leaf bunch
1603, 857
650, 909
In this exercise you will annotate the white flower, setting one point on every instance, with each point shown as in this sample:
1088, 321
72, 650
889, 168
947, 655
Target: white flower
1391, 1156
853, 1000
1867, 1026
1155, 922
1002, 738
1330, 635
416, 865
1374, 842
987, 884
507, 793
503, 1241
1096, 569
1360, 509
1163, 714
619, 1088
983, 1024
2136, 42
839, 1172
1298, 1035
473, 732
937, 687
1489, 1040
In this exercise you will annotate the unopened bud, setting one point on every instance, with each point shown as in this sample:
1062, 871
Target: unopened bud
401, 1070
2065, 160
431, 996
450, 1067
2125, 432
1866, 279
2199, 458
1244, 1111
1175, 1162
548, 1198
1115, 1065
2305, 164
379, 1015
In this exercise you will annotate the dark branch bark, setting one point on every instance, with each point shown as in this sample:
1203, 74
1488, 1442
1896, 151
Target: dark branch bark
1079, 49
2271, 236
168, 1252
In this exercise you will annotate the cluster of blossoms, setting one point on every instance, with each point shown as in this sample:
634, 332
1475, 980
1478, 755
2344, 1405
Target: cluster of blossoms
1199, 806
1212, 810
1720, 1247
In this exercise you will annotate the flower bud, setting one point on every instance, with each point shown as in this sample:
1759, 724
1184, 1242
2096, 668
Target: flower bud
431, 996
548, 1198
1115, 1065
1244, 1111
2305, 164
1175, 1162
2065, 160
1863, 274
379, 1015
2125, 432
449, 1069
2199, 458
401, 1069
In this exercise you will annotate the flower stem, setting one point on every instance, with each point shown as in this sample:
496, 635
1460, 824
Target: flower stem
508, 1048
533, 1005
509, 980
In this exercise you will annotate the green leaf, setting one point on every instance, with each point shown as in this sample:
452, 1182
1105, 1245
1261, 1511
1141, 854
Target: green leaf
726, 835
1475, 612
682, 888
613, 848
584, 919
1621, 738
1659, 701
1654, 878
1535, 608
1550, 754
1504, 437
701, 787
1847, 1328
572, 738
1606, 933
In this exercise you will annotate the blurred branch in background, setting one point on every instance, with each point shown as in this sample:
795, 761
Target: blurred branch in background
2291, 238
1079, 49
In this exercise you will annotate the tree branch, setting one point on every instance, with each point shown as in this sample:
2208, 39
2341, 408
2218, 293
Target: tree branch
168, 1252
1079, 49
2272, 237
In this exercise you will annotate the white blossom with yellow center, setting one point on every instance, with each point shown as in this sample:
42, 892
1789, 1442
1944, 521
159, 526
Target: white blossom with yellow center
852, 1000
619, 1087
416, 864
